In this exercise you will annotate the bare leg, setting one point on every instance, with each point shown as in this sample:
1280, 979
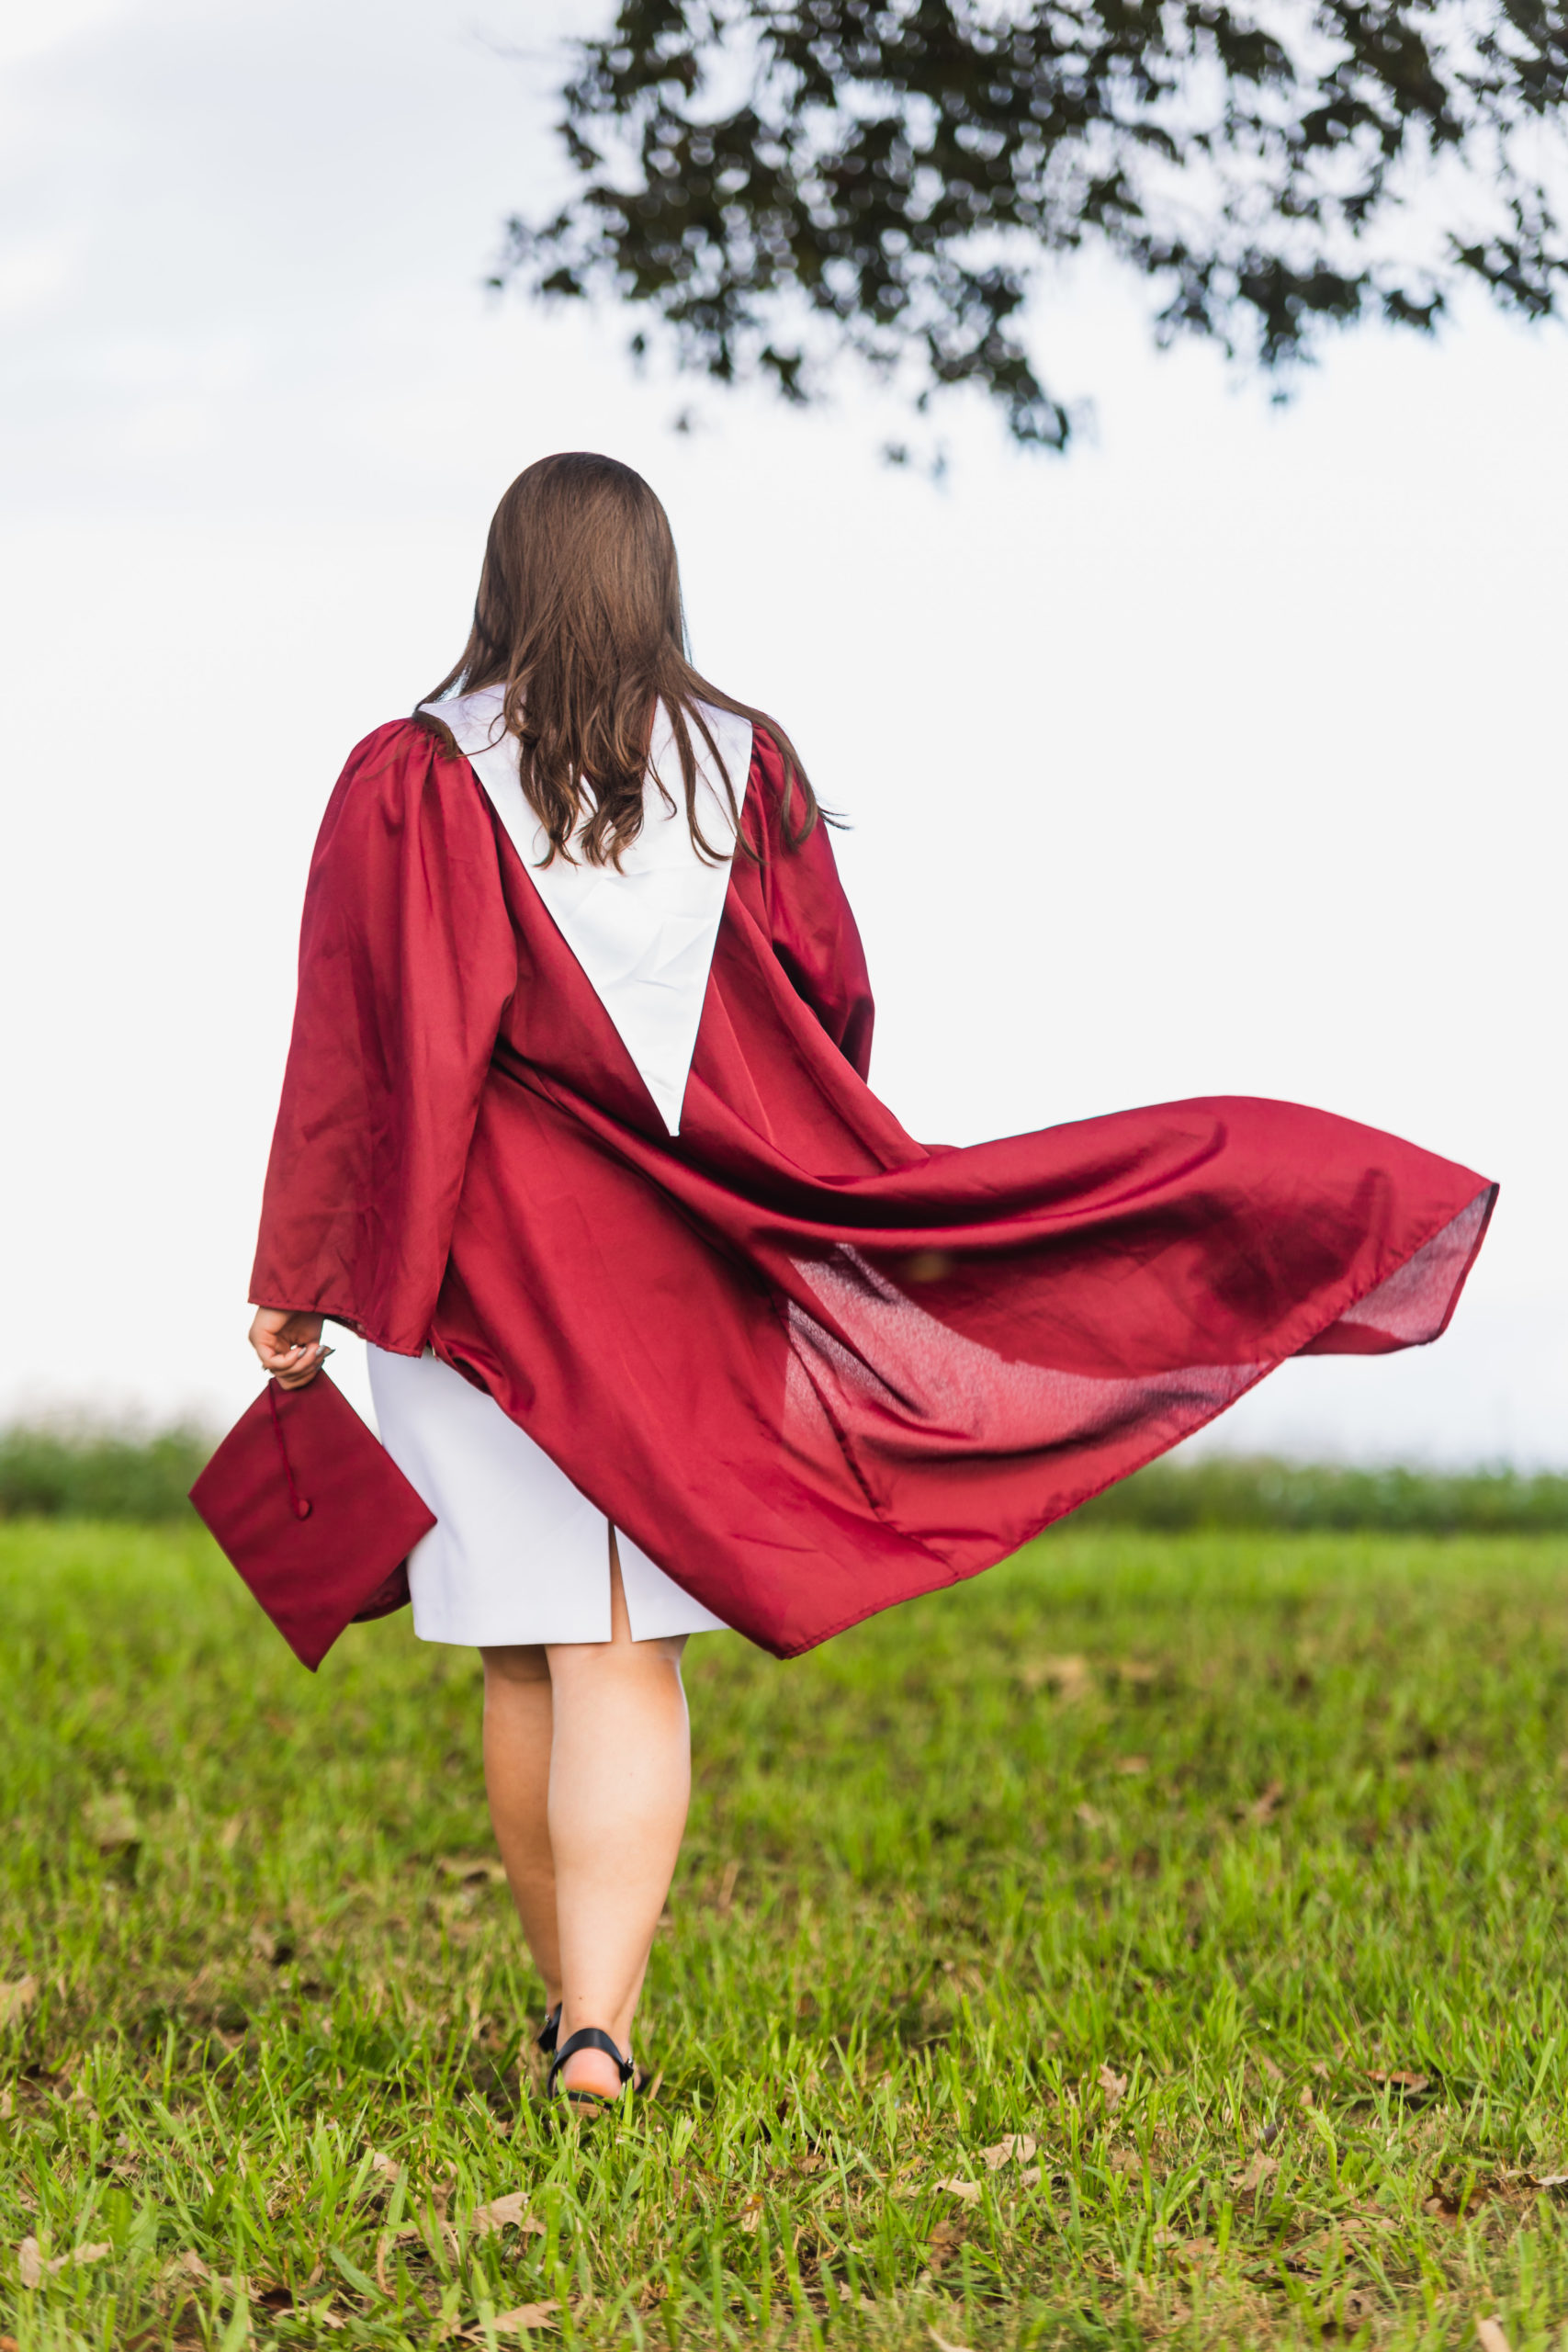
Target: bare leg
517, 1734
619, 1785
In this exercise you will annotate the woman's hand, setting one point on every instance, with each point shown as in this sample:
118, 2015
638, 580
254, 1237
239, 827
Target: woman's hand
289, 1345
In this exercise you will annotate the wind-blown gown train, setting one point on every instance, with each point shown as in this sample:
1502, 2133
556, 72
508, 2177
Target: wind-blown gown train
602, 1148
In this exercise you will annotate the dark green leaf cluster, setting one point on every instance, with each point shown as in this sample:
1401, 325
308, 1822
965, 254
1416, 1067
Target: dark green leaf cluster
774, 181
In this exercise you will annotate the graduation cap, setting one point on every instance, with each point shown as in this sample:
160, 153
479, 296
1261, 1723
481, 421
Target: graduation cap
314, 1514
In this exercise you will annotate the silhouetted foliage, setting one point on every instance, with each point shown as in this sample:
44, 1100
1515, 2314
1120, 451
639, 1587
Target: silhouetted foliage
771, 183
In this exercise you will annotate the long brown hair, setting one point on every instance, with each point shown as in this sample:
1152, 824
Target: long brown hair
579, 617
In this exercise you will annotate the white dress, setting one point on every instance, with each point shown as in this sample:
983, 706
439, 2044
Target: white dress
518, 1554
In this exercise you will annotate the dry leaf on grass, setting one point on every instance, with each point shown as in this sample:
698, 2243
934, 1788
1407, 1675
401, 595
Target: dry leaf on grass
943, 2345
274, 1949
848, 2295
1017, 2148
1255, 2175
388, 2239
1275, 2074
1263, 1807
752, 2215
190, 2266
99, 2253
941, 2246
111, 1822
17, 1998
1490, 2336
1550, 2180
1401, 2079
321, 2312
969, 2190
1114, 2085
1132, 1765
33, 2269
1327, 2247
523, 2315
506, 2211
1439, 2208
386, 2166
1069, 1677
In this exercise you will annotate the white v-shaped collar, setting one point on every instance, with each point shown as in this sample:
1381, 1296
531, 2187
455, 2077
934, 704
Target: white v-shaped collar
644, 936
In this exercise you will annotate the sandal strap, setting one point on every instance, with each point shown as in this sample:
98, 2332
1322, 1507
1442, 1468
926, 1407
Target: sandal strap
549, 2031
589, 2037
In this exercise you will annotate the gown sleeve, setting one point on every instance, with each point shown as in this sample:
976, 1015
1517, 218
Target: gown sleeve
407, 962
814, 935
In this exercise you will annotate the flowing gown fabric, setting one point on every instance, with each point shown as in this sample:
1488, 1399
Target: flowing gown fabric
811, 1366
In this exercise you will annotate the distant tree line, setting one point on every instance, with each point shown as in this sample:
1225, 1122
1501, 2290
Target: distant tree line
106, 1473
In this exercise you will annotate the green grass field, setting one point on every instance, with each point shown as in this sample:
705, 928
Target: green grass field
1160, 1941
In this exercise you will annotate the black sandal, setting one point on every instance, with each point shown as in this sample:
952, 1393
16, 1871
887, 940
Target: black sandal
588, 2036
546, 2038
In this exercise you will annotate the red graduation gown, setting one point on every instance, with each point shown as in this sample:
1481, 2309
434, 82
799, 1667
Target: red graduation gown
812, 1366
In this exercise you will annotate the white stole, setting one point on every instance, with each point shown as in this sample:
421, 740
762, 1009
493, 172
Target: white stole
645, 935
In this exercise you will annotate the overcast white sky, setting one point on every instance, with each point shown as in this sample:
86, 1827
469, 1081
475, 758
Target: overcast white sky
1226, 755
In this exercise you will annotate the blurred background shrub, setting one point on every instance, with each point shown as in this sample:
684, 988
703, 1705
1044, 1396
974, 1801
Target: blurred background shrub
1236, 1490
64, 1472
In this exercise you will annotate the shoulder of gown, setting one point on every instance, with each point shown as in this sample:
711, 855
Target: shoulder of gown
404, 771
815, 935
407, 961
